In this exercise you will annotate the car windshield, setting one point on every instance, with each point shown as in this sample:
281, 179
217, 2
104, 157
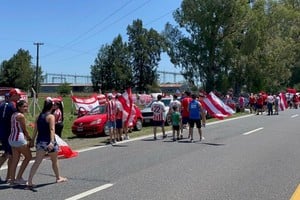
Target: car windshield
165, 101
98, 110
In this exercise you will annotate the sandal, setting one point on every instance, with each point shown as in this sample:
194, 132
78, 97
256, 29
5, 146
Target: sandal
61, 179
30, 187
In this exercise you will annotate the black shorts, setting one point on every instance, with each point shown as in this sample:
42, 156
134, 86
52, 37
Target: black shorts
119, 123
193, 121
185, 120
158, 123
175, 127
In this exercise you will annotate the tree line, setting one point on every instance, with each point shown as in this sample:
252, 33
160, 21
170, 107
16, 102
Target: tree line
217, 45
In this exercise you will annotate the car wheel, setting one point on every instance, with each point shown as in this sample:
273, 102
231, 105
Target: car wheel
106, 130
139, 125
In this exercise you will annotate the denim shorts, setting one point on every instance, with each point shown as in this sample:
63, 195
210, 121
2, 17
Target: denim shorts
18, 143
44, 146
111, 124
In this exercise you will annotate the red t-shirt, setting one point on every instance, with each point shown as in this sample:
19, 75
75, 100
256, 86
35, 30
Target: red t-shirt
185, 106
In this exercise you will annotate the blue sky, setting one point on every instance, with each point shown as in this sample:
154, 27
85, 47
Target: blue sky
74, 31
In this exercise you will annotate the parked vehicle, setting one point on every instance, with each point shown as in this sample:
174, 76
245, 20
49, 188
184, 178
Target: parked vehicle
94, 122
148, 114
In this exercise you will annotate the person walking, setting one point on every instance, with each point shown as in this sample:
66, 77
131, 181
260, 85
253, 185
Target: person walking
44, 133
175, 102
19, 139
7, 108
185, 110
176, 120
196, 114
158, 108
270, 101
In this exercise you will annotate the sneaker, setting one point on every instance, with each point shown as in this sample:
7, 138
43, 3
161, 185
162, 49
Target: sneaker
165, 136
181, 136
192, 141
20, 181
174, 139
202, 138
126, 137
154, 138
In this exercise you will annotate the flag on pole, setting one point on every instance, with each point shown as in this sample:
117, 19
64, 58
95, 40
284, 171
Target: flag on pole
88, 103
216, 107
64, 149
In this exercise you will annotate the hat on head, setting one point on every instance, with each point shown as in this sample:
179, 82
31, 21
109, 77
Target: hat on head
15, 91
109, 95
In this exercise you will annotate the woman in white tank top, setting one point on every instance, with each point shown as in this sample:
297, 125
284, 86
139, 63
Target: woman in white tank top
19, 140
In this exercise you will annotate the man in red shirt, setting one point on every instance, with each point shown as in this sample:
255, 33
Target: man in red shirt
185, 109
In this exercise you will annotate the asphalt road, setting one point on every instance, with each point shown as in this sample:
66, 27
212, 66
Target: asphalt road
249, 158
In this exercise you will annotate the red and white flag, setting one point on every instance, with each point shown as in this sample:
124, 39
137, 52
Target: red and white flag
64, 149
216, 107
127, 104
88, 103
282, 102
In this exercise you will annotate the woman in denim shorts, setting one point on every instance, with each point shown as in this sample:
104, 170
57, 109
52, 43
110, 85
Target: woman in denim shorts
44, 133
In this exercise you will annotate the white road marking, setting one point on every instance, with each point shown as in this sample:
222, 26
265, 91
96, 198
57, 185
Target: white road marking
89, 192
293, 116
255, 130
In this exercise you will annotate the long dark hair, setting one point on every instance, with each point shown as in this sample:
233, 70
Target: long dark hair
48, 103
20, 103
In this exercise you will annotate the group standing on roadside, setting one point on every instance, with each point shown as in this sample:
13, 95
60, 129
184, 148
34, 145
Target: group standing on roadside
16, 140
185, 113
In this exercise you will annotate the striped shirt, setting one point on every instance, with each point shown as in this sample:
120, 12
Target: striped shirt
16, 133
111, 110
158, 109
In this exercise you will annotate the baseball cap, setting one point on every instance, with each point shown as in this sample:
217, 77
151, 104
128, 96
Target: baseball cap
15, 91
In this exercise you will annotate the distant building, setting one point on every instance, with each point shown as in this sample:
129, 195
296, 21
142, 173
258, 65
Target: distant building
53, 87
171, 88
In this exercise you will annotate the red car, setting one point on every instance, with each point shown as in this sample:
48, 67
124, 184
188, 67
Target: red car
94, 122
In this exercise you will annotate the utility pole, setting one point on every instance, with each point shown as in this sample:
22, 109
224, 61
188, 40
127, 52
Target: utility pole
37, 65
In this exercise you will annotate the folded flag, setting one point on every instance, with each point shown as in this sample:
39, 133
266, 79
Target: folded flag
64, 149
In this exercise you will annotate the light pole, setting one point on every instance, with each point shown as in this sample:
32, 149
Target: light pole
37, 65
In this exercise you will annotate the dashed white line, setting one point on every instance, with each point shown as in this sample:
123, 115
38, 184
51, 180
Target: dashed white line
255, 130
89, 192
293, 116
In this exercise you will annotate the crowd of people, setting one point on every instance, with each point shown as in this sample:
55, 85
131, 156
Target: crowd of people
16, 140
263, 102
184, 112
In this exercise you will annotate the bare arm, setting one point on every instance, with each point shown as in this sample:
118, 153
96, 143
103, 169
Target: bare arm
22, 121
51, 120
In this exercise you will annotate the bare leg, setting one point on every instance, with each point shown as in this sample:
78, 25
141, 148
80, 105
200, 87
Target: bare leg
55, 167
40, 154
27, 154
15, 160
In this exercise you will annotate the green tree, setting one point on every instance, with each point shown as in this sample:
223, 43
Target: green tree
112, 70
17, 71
145, 47
202, 51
